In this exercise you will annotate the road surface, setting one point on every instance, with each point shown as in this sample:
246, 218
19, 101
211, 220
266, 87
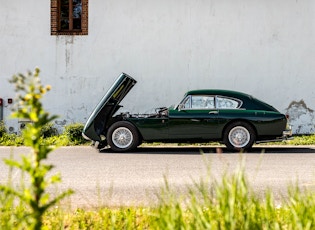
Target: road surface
106, 178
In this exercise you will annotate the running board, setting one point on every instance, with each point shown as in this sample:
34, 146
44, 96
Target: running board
275, 140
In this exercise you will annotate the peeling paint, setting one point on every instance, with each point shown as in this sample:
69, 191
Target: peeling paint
60, 122
302, 118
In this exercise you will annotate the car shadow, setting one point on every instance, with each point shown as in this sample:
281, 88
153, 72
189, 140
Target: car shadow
197, 150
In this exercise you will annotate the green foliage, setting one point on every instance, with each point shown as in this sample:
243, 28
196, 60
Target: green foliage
34, 198
303, 140
11, 139
74, 133
301, 206
49, 136
2, 129
60, 140
104, 218
48, 130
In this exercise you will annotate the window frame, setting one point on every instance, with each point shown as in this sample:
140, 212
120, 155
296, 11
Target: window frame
215, 97
56, 19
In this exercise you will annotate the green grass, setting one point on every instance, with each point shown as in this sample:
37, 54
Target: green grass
229, 204
302, 140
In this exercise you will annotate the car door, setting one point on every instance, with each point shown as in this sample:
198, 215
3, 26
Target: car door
195, 118
229, 109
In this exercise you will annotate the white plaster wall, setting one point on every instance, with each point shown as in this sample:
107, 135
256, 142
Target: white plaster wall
265, 48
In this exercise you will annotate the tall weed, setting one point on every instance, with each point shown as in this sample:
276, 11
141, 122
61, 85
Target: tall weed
30, 201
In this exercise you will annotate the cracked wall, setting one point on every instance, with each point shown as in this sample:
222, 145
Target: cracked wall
302, 118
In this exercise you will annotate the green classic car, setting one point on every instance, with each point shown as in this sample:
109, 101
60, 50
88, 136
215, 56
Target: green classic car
236, 119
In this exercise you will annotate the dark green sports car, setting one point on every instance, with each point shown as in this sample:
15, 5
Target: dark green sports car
236, 119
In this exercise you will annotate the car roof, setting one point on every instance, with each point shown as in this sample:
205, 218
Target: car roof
249, 102
228, 93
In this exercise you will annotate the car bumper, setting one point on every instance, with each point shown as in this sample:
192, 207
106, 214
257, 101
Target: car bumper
287, 132
286, 135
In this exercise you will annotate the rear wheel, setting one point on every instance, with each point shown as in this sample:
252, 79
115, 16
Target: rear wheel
239, 135
122, 136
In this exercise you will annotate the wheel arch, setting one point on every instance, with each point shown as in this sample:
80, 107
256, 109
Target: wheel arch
136, 127
235, 121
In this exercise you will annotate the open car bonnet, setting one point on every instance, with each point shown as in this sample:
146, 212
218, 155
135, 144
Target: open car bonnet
107, 107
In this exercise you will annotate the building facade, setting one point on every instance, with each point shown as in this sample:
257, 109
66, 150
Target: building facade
264, 48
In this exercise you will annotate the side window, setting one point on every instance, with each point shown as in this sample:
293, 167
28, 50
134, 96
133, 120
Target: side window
228, 103
69, 17
202, 102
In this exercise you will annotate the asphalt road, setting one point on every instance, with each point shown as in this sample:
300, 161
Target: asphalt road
106, 178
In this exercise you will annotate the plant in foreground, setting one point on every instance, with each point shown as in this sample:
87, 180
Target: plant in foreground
34, 197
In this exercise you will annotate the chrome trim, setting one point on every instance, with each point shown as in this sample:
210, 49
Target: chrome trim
275, 140
288, 131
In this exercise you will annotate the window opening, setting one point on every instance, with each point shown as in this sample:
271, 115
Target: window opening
70, 14
69, 17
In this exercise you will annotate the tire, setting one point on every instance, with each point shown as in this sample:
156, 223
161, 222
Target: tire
122, 136
239, 136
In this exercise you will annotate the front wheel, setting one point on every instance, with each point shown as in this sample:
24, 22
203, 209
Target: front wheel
122, 136
239, 136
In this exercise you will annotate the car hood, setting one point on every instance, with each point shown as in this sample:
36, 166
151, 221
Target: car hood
107, 107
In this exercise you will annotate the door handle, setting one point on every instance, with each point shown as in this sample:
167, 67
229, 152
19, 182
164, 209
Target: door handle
213, 112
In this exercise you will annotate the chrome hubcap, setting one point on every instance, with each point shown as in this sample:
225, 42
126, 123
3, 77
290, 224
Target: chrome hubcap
122, 137
239, 137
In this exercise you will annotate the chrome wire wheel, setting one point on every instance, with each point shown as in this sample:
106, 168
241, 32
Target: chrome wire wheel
122, 137
239, 137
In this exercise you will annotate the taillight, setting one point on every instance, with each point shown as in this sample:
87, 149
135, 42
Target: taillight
287, 116
1, 102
